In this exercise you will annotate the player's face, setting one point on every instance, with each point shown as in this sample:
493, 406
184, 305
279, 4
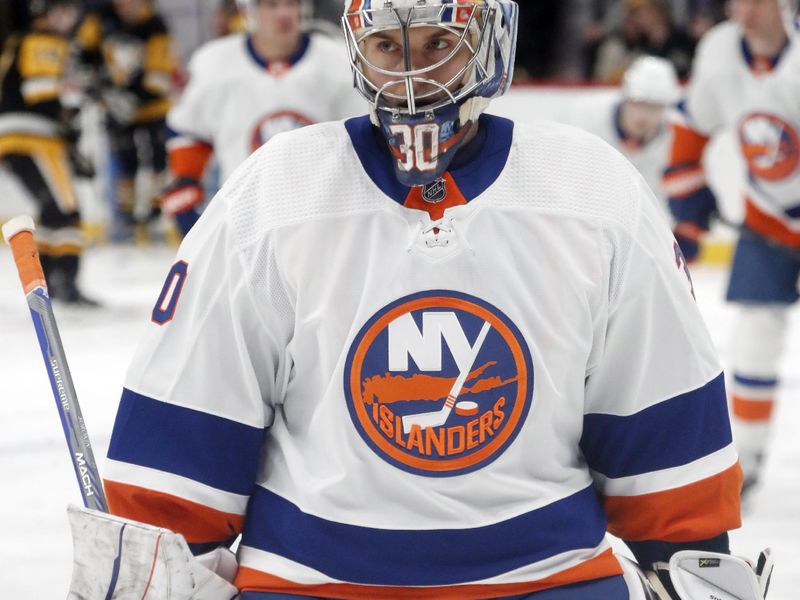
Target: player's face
428, 45
642, 120
62, 17
129, 10
278, 20
759, 18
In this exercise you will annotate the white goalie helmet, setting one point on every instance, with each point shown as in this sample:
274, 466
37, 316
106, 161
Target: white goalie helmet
486, 28
651, 79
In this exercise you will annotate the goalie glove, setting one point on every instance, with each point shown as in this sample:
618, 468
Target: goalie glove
181, 200
124, 559
699, 575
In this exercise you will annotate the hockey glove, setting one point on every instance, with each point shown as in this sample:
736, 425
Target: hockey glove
181, 200
692, 215
698, 575
120, 558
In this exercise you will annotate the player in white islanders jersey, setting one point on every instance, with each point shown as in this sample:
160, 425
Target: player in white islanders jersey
635, 122
427, 353
245, 88
743, 91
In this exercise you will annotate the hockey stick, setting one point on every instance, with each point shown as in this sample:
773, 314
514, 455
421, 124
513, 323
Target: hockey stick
439, 417
18, 232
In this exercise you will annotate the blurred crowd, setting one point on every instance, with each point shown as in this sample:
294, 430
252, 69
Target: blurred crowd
597, 40
559, 40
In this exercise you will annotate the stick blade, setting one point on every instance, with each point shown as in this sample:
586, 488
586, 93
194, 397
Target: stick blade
425, 420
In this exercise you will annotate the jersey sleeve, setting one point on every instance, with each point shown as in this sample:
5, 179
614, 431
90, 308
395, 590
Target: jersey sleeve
692, 127
200, 392
656, 431
192, 114
191, 132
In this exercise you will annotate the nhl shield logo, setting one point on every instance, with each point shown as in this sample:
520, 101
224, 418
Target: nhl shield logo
438, 383
434, 192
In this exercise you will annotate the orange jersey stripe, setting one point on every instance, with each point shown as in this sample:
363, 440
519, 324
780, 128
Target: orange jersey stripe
752, 410
604, 565
697, 511
769, 225
189, 160
197, 523
687, 145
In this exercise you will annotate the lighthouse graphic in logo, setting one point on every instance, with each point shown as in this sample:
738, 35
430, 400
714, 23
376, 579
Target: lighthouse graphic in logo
439, 383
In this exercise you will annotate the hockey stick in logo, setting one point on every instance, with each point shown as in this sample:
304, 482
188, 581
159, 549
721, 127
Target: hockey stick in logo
439, 417
18, 232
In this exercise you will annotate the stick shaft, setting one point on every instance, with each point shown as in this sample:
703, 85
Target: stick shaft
33, 283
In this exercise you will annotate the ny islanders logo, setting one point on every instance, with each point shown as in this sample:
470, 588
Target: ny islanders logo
274, 123
770, 146
439, 383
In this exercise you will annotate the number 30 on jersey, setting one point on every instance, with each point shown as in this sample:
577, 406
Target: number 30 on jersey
419, 146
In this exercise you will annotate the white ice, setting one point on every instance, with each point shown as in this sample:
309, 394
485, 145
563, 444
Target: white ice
38, 481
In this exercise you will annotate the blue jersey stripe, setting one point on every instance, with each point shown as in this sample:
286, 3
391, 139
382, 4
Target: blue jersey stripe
671, 433
755, 382
371, 556
212, 450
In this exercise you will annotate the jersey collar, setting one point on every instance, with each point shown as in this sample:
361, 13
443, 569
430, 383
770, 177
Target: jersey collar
476, 166
279, 67
761, 64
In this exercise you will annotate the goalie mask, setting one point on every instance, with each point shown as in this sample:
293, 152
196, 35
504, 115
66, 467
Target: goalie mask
425, 121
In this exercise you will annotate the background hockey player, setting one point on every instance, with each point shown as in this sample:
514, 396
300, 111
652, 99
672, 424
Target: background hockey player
36, 136
428, 353
731, 93
636, 122
244, 89
128, 46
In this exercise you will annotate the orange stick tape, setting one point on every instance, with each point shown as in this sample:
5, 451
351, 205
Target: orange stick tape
26, 256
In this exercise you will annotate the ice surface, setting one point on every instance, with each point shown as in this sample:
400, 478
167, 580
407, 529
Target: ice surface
38, 482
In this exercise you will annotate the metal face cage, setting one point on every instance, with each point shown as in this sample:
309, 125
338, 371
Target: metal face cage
472, 22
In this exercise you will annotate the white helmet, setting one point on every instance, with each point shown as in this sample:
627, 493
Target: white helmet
487, 28
651, 79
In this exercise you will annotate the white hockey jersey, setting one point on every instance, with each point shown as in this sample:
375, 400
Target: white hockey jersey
651, 159
446, 392
769, 136
733, 90
235, 102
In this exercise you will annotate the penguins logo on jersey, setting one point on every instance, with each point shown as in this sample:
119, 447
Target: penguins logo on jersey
274, 123
439, 383
769, 145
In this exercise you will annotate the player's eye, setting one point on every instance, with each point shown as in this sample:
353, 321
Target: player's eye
439, 44
387, 46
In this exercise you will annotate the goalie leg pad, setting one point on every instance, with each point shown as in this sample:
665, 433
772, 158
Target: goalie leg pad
126, 560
